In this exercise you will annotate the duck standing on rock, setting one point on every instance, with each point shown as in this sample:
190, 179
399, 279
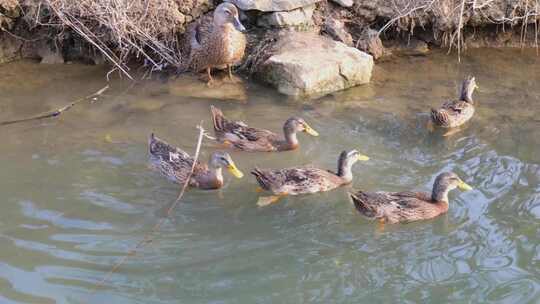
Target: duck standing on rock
222, 43
176, 165
306, 179
396, 207
240, 136
455, 113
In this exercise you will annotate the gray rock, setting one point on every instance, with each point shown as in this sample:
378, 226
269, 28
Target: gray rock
271, 5
344, 3
336, 29
308, 65
370, 42
296, 17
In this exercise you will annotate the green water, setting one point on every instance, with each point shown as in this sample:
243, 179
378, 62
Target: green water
74, 203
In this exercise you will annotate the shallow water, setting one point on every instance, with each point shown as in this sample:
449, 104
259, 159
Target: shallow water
77, 193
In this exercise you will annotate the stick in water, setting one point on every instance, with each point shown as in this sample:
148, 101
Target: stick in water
58, 111
148, 237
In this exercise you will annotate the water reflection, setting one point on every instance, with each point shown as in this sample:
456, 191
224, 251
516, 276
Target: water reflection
78, 194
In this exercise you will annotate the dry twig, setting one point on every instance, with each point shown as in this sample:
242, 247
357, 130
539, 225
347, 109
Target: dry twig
148, 238
59, 111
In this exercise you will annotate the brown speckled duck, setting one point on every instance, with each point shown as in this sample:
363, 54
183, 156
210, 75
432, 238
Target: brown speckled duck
176, 165
455, 113
240, 136
219, 44
396, 207
306, 179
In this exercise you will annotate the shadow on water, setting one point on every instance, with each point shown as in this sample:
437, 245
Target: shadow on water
77, 193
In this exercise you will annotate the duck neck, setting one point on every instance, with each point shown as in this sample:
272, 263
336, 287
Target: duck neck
216, 175
290, 138
345, 170
466, 93
440, 193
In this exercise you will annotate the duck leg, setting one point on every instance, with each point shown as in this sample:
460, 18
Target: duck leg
452, 131
380, 225
268, 200
231, 77
210, 82
429, 126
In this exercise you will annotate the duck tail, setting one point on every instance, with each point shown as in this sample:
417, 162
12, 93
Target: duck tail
194, 35
439, 116
218, 119
359, 201
261, 178
151, 142
191, 39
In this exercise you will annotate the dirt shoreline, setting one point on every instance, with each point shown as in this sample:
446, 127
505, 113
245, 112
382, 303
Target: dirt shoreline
38, 30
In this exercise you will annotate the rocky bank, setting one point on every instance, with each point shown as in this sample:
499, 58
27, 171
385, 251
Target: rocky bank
301, 47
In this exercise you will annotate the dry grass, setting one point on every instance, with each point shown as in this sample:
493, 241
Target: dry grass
448, 18
119, 29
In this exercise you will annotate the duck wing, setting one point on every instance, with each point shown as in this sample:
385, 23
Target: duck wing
452, 113
392, 206
296, 180
240, 134
200, 41
171, 161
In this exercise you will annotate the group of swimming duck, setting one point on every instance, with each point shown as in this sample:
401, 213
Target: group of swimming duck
391, 207
222, 44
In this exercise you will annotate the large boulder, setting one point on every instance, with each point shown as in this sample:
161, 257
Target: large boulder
271, 5
308, 65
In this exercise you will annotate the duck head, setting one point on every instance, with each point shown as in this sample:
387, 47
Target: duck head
223, 160
467, 89
346, 161
227, 13
444, 183
297, 124
294, 125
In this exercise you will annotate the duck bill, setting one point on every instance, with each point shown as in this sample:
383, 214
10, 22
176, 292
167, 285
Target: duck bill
238, 25
234, 171
463, 186
309, 130
362, 157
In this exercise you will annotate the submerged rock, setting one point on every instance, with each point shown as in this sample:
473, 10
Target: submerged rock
224, 89
413, 47
297, 17
271, 5
309, 65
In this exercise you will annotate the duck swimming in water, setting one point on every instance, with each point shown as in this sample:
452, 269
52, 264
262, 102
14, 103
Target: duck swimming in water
455, 113
175, 164
397, 207
306, 179
240, 136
